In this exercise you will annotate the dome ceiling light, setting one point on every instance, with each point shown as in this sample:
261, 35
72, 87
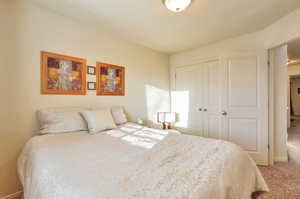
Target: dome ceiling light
176, 5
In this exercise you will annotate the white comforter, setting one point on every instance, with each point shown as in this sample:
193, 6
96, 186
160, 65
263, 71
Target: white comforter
136, 163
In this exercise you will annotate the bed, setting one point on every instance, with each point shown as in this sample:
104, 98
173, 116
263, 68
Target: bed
134, 162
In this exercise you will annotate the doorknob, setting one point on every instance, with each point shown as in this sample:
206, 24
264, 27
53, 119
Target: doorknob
224, 113
199, 109
205, 109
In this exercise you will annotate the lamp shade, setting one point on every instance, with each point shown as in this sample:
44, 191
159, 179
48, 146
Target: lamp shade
166, 117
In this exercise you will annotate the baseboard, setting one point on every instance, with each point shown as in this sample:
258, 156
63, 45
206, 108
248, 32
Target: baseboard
16, 195
281, 159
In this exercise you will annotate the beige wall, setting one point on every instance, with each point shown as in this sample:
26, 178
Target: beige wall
9, 140
147, 76
6, 58
294, 69
282, 31
295, 84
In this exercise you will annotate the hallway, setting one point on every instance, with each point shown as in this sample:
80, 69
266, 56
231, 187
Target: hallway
294, 141
284, 178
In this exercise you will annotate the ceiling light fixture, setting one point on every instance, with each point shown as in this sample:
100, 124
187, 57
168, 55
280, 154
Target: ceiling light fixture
176, 5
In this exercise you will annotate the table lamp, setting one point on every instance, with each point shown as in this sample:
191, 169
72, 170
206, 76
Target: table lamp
166, 119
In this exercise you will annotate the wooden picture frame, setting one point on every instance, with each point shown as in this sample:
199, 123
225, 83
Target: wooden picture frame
91, 86
110, 79
72, 81
91, 70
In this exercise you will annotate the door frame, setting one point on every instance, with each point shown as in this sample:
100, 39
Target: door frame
272, 107
272, 97
271, 104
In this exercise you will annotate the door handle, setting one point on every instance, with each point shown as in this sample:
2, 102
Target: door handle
205, 110
224, 113
199, 109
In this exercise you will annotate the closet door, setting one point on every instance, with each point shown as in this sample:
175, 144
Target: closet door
187, 99
212, 76
245, 103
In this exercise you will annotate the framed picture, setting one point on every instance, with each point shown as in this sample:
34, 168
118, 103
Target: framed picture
110, 79
62, 74
91, 86
91, 70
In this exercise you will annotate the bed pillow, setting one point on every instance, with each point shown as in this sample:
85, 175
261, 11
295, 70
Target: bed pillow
61, 120
118, 115
98, 120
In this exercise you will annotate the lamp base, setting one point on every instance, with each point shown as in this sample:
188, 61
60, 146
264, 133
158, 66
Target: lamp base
166, 125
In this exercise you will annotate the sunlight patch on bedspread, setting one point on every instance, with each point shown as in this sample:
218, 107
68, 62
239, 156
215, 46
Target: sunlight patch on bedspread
139, 141
146, 137
156, 131
115, 133
138, 135
132, 125
150, 134
126, 129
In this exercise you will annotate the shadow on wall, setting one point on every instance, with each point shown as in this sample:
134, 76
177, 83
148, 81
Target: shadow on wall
157, 100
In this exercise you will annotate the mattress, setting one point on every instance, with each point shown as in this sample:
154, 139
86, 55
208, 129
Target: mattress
134, 162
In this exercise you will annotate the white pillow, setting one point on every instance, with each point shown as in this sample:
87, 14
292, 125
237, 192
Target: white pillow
118, 115
61, 120
98, 120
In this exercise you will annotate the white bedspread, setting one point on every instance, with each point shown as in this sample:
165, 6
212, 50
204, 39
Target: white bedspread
136, 163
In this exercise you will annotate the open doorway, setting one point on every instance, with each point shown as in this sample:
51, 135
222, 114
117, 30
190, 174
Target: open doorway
293, 141
284, 103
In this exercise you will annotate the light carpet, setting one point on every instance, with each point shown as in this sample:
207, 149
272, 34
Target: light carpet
284, 178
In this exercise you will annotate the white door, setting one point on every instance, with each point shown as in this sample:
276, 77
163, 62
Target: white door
197, 99
212, 76
187, 99
226, 99
245, 103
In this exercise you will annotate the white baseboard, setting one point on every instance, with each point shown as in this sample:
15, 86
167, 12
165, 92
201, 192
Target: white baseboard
16, 195
281, 159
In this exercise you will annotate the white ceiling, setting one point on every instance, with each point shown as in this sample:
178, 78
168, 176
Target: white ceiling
149, 23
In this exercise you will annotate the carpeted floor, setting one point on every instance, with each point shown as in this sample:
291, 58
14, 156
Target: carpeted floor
284, 178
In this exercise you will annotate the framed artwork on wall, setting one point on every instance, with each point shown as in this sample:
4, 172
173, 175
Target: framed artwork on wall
110, 79
91, 70
62, 74
91, 86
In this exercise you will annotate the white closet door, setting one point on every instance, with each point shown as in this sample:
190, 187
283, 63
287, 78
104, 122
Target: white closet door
187, 99
245, 103
212, 77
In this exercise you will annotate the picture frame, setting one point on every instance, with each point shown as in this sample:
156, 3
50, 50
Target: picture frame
91, 70
91, 86
110, 79
63, 75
